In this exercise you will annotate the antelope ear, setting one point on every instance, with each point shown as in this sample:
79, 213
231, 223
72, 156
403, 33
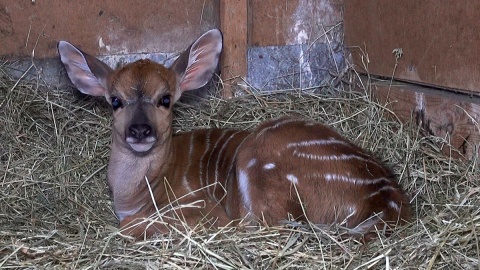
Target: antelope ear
195, 67
86, 72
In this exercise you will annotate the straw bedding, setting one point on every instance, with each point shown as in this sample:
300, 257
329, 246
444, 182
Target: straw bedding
56, 209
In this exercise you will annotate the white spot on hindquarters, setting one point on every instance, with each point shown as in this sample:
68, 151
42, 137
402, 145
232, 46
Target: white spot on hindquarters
251, 163
243, 184
292, 178
269, 166
394, 205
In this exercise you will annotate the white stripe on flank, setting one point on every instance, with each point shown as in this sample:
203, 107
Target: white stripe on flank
341, 157
385, 188
217, 164
207, 176
277, 125
269, 166
317, 142
189, 163
233, 164
243, 184
353, 180
207, 147
292, 178
186, 184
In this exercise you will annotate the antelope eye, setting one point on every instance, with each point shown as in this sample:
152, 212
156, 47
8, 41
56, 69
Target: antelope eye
116, 103
165, 101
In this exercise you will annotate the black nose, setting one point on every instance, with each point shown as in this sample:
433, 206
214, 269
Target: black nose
139, 131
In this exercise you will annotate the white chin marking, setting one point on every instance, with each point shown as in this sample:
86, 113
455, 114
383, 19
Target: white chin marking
141, 147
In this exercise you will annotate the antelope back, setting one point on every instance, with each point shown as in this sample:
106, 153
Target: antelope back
304, 168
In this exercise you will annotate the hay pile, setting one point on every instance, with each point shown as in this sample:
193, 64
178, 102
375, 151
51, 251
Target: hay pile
56, 211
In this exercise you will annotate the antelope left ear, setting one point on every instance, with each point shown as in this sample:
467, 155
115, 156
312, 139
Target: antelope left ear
195, 67
86, 72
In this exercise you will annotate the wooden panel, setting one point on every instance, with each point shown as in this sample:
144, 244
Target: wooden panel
233, 20
280, 22
103, 27
439, 39
439, 113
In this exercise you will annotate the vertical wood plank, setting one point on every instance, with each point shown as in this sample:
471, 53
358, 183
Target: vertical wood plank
234, 25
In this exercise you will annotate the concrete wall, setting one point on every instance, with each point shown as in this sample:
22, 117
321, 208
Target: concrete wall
295, 44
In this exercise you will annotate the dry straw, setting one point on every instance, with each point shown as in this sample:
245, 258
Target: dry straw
56, 210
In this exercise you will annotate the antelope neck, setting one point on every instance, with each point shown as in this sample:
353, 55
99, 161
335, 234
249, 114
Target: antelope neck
128, 174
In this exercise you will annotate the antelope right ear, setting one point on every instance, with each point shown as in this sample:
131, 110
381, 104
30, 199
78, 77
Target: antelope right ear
86, 72
195, 67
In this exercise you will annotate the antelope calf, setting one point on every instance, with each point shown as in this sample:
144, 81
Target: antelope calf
285, 168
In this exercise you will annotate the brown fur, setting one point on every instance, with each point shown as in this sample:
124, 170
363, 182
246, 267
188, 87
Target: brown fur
285, 167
